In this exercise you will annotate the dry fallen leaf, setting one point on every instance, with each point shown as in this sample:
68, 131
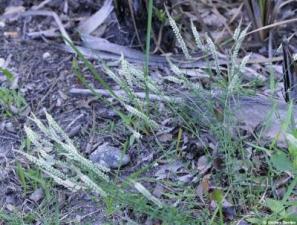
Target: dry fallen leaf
158, 190
203, 164
203, 187
166, 137
97, 19
256, 111
212, 19
12, 13
167, 170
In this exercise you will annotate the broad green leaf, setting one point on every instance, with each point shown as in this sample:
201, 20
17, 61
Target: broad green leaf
254, 220
292, 148
6, 73
275, 206
281, 161
217, 196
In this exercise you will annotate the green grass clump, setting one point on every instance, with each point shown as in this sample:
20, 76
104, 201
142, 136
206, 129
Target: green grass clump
11, 102
194, 111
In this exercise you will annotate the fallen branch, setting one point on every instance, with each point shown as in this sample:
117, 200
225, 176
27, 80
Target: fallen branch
87, 92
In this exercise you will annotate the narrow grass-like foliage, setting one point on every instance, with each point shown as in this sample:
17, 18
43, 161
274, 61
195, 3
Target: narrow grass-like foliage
178, 35
48, 151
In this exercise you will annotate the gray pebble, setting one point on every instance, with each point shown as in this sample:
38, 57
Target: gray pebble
37, 195
109, 156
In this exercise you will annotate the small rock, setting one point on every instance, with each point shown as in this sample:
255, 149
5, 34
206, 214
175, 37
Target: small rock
10, 199
2, 62
10, 127
78, 218
109, 156
37, 195
46, 55
2, 24
74, 130
10, 207
13, 12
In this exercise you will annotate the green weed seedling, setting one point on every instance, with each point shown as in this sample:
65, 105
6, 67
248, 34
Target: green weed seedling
10, 98
283, 161
12, 218
7, 73
47, 211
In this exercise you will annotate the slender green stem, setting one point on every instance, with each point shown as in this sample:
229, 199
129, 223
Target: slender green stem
290, 190
147, 50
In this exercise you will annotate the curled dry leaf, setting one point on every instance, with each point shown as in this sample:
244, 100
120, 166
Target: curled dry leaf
185, 179
269, 114
203, 164
166, 137
203, 187
97, 19
12, 13
158, 190
166, 171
